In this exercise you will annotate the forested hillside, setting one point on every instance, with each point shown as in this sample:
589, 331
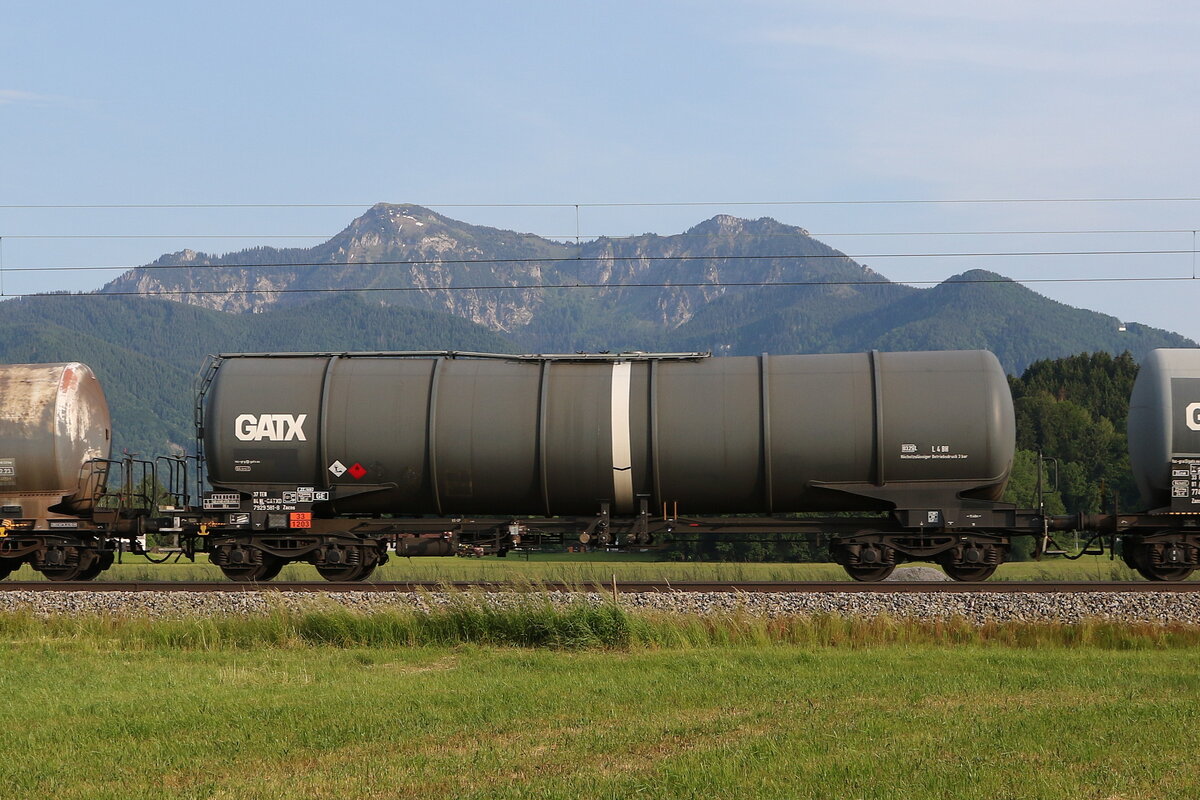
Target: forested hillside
1074, 410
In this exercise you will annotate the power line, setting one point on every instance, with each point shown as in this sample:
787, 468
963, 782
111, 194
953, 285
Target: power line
607, 257
568, 286
1098, 231
67, 206
169, 236
954, 201
663, 204
594, 236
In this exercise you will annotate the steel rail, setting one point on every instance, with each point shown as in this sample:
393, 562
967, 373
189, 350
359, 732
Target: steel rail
621, 587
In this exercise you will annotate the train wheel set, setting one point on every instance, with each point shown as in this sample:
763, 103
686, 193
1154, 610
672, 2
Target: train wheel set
338, 459
338, 557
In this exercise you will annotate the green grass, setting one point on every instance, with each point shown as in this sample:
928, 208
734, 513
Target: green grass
533, 620
335, 705
588, 568
1050, 569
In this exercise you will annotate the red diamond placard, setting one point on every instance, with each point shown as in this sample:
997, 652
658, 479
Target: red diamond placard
357, 471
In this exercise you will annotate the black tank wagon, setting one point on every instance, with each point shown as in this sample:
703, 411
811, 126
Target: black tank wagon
1163, 542
308, 452
336, 459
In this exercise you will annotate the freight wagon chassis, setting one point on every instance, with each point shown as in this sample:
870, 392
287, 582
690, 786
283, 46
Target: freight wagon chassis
78, 544
76, 556
338, 555
869, 548
1161, 545
76, 548
350, 549
1163, 556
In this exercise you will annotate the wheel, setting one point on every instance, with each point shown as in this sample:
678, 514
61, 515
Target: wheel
254, 573
340, 574
1165, 573
1141, 563
240, 565
103, 561
971, 574
88, 574
869, 574
1139, 559
339, 561
84, 570
276, 567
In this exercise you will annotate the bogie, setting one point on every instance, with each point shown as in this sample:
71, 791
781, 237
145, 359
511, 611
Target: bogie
245, 563
1168, 557
338, 556
69, 564
339, 561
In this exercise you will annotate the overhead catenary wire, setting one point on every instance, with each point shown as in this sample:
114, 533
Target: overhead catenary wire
604, 257
578, 235
653, 204
611, 286
594, 236
169, 235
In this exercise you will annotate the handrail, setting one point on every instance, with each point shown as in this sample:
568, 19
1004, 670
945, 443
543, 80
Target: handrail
635, 355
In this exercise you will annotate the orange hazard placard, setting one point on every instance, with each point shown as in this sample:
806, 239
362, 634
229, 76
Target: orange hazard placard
300, 519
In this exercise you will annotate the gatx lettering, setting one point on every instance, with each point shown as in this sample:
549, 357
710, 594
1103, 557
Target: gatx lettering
1193, 416
270, 427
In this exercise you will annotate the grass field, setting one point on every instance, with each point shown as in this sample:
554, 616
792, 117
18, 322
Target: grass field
586, 568
302, 708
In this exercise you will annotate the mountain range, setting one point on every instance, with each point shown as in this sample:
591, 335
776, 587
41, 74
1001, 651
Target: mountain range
729, 285
404, 277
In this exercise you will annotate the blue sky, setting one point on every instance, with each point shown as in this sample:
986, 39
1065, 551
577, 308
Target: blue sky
460, 106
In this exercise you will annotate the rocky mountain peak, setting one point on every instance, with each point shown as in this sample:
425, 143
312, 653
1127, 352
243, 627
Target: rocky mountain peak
720, 225
402, 222
186, 256
418, 257
727, 284
726, 226
401, 231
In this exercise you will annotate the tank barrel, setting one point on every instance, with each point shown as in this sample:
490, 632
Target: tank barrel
54, 420
556, 435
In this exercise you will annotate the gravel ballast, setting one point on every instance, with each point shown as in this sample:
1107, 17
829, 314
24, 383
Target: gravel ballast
977, 607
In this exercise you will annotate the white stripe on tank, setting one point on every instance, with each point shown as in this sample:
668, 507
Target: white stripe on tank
622, 459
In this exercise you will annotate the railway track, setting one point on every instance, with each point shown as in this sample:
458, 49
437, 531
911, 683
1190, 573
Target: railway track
620, 587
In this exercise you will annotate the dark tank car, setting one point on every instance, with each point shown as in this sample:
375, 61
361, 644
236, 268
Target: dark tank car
339, 459
612, 441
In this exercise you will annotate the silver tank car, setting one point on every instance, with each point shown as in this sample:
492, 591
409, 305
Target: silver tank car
1164, 429
53, 421
447, 434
